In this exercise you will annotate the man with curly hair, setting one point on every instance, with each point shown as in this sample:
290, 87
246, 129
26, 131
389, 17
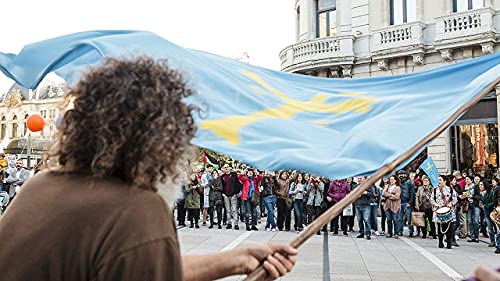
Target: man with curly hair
97, 212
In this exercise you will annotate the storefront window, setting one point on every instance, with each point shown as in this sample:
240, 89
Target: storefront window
475, 147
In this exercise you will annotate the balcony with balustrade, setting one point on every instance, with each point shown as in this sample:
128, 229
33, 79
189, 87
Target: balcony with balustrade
329, 52
398, 41
465, 29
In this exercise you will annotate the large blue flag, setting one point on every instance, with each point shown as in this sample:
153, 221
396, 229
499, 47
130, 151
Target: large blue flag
429, 167
275, 120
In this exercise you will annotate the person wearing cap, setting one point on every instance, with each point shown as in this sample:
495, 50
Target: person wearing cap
407, 202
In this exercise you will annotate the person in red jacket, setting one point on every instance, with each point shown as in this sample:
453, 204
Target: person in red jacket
250, 180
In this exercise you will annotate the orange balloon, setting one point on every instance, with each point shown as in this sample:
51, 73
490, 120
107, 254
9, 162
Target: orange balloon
35, 123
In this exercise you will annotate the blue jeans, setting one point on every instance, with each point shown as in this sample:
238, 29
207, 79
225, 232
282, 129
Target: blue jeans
473, 220
298, 207
405, 211
456, 225
364, 219
249, 208
491, 226
270, 203
392, 221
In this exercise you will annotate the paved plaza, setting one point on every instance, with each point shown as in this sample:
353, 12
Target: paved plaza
350, 258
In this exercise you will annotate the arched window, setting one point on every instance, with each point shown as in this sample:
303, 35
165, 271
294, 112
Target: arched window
25, 129
327, 18
14, 127
3, 127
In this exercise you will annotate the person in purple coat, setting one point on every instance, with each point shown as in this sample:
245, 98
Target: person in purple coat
337, 191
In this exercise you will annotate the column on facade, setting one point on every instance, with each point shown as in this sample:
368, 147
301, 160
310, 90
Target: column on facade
311, 7
297, 21
345, 19
439, 150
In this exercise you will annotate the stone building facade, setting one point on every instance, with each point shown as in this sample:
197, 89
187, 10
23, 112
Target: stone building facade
363, 38
19, 103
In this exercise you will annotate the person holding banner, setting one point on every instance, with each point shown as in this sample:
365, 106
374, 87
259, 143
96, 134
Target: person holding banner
102, 210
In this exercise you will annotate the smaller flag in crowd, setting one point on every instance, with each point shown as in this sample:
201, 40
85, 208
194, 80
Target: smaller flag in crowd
208, 160
429, 168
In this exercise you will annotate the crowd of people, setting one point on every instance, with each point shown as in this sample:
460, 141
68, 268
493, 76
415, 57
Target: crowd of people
457, 208
13, 174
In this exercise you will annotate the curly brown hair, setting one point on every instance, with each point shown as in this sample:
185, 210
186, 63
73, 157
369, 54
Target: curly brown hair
127, 120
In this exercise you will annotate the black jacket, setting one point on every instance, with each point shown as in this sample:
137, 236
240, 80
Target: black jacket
268, 184
408, 192
365, 199
496, 196
235, 185
215, 195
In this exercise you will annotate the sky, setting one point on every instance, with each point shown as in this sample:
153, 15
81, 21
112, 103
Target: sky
261, 28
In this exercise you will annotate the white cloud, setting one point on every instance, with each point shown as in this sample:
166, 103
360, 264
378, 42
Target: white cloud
225, 27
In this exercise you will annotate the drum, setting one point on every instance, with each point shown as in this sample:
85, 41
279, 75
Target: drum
444, 215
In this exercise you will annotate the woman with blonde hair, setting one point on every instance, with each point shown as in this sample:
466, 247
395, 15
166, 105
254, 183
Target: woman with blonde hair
423, 204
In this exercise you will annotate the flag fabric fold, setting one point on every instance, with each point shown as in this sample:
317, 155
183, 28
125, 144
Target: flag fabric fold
274, 120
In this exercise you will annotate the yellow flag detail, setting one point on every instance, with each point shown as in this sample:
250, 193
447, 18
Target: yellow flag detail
228, 128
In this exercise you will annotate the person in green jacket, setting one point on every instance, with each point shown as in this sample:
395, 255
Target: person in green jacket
486, 203
193, 191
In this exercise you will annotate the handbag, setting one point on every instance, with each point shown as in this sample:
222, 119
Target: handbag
348, 211
466, 206
255, 201
323, 206
418, 219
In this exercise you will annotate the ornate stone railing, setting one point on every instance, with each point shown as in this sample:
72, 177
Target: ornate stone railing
315, 50
458, 25
398, 36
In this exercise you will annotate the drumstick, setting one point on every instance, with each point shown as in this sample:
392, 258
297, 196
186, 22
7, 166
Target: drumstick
260, 273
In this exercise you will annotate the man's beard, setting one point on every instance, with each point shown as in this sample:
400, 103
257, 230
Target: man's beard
170, 191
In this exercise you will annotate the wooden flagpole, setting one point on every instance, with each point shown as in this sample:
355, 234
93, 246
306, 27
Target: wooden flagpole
260, 273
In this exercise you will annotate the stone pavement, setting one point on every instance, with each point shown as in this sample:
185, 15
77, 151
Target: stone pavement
381, 258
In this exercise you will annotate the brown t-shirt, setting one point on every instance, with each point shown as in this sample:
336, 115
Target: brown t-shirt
70, 227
